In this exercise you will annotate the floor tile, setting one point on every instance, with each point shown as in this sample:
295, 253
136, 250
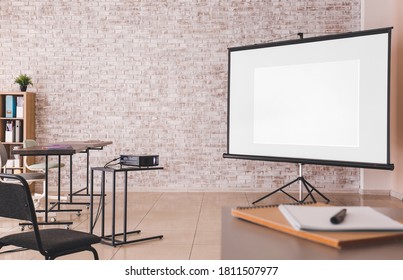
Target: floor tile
151, 250
189, 221
206, 252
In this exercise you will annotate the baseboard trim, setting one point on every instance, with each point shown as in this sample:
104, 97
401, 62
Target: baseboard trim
374, 192
396, 195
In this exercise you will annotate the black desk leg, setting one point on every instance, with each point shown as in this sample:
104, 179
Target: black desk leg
70, 202
113, 207
58, 181
71, 178
59, 189
46, 187
112, 237
88, 169
91, 202
47, 209
103, 204
86, 188
125, 210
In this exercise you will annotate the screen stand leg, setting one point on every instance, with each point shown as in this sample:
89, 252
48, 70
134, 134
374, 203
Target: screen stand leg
303, 183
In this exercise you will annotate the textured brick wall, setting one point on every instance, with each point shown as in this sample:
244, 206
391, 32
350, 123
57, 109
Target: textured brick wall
151, 76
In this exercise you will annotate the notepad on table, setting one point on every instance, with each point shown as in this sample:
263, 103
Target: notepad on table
270, 216
358, 218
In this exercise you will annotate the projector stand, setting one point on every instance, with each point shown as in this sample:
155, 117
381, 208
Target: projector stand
301, 181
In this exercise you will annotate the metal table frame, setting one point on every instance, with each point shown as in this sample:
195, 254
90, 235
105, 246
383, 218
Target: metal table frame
48, 151
67, 148
111, 239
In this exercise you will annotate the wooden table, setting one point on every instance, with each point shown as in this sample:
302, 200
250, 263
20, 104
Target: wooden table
59, 149
242, 240
84, 147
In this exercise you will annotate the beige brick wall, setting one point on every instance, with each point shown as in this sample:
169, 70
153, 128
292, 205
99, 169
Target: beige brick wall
151, 76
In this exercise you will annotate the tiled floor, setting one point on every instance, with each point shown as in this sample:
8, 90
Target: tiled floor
190, 223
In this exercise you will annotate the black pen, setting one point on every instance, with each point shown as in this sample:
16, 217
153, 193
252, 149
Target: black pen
339, 217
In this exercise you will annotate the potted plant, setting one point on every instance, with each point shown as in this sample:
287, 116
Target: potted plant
23, 80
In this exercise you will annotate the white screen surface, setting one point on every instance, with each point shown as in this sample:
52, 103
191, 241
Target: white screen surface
333, 110
322, 100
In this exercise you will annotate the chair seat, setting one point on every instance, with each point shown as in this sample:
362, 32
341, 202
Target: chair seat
29, 177
54, 240
41, 165
33, 176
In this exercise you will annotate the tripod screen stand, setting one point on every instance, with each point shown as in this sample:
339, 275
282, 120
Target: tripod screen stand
303, 183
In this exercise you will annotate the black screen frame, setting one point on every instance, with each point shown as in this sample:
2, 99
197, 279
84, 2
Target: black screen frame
354, 164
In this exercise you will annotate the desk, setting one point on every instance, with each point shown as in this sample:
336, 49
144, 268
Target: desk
242, 240
87, 146
59, 149
112, 237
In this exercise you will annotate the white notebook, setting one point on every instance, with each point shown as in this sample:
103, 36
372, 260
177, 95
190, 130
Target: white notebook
358, 218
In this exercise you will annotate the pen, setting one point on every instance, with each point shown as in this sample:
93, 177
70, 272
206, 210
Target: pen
339, 217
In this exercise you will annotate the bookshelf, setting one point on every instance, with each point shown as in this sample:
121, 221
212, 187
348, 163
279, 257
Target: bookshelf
24, 120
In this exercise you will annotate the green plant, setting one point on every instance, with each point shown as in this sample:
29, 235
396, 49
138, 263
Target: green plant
23, 80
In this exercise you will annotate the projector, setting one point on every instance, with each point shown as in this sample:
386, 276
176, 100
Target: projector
141, 161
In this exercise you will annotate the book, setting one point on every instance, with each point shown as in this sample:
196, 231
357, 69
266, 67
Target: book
18, 131
20, 107
271, 217
10, 106
17, 161
10, 163
358, 218
9, 133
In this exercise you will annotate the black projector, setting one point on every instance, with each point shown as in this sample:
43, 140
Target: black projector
141, 161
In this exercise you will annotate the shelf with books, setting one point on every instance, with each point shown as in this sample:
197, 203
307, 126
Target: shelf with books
17, 123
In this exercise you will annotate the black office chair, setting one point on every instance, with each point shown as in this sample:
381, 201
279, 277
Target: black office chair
16, 203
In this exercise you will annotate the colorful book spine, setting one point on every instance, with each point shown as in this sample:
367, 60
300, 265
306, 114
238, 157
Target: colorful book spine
18, 131
11, 106
9, 135
20, 107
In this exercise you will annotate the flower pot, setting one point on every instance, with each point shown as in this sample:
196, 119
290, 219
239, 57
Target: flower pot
23, 88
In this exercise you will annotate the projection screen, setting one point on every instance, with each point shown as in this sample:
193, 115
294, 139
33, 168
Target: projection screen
321, 100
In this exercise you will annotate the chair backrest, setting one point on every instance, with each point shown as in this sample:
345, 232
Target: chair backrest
15, 198
29, 143
26, 144
16, 203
